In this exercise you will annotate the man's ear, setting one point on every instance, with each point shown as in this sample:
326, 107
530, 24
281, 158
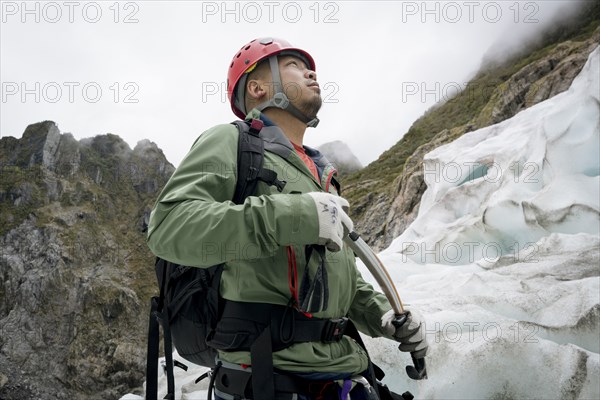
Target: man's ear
255, 89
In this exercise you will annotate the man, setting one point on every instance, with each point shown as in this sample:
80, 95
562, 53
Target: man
273, 239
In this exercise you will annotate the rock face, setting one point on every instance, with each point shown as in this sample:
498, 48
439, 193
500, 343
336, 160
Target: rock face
392, 210
538, 81
341, 156
76, 274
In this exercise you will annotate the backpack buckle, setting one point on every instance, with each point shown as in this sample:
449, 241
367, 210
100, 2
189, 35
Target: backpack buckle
255, 126
280, 185
334, 330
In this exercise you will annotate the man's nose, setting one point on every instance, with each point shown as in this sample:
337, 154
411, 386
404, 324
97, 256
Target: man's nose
311, 74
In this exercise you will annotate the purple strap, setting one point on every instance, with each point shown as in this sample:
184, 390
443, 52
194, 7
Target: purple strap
346, 388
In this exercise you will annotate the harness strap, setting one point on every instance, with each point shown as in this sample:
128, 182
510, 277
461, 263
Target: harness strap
157, 317
152, 358
261, 356
240, 383
287, 326
168, 356
375, 373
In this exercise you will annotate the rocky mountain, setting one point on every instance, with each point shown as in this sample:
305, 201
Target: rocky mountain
75, 272
341, 156
385, 195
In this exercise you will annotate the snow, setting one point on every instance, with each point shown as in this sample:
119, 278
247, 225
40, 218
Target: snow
503, 260
185, 386
507, 328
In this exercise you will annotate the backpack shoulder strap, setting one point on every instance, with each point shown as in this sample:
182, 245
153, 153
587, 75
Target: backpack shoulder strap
157, 317
250, 160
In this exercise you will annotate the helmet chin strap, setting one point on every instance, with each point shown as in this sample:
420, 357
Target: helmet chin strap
280, 100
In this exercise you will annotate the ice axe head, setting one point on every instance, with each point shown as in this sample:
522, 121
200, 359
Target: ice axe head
417, 371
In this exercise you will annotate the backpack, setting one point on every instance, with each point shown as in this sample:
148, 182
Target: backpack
189, 297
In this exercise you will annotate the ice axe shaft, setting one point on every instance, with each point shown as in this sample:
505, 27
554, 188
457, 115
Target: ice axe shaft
375, 266
383, 278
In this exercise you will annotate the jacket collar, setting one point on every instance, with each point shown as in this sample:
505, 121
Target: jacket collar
276, 142
274, 138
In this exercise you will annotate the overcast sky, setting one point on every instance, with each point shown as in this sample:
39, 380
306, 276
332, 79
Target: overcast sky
157, 69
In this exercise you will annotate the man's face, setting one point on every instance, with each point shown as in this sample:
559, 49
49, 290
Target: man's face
300, 85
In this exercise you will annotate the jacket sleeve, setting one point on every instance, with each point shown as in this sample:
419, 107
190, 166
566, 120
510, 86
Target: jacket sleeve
195, 223
368, 306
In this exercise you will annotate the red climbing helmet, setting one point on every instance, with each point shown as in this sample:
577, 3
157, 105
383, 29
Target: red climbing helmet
252, 53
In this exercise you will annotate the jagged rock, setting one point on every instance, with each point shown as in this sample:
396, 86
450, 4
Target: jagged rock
76, 274
148, 155
42, 140
538, 81
341, 156
50, 148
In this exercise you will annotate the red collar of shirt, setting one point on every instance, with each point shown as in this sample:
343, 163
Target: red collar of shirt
307, 160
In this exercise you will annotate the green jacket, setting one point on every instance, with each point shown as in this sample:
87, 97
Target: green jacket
195, 223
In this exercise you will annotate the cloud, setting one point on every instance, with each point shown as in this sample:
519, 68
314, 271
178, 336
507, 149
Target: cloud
157, 70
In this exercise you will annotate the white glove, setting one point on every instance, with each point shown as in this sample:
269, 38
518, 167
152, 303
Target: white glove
334, 223
411, 334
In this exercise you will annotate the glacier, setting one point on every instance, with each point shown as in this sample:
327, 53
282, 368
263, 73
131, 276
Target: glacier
503, 260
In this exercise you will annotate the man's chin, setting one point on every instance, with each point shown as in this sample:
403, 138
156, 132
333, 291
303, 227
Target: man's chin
311, 109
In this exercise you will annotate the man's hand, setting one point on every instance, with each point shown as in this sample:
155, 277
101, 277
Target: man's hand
410, 334
334, 223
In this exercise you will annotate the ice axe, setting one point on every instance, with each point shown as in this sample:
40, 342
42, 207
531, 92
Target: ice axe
381, 275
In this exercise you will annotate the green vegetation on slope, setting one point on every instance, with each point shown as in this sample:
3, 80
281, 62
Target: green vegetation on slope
459, 113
